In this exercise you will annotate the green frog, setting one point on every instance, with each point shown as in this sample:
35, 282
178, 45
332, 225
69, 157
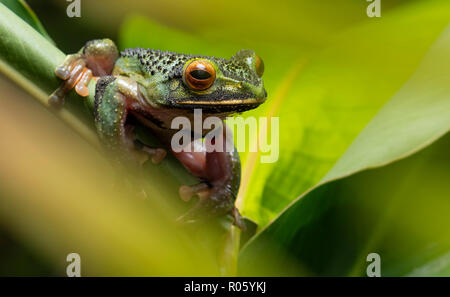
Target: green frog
154, 87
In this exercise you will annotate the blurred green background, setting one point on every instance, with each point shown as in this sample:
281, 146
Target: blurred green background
330, 71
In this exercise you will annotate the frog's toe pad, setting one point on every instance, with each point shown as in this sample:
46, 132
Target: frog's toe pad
82, 85
62, 72
56, 99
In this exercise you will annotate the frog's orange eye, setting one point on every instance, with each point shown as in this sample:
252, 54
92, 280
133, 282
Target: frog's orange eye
259, 65
199, 75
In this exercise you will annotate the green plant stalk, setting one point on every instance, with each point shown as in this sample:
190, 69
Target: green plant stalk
39, 55
29, 59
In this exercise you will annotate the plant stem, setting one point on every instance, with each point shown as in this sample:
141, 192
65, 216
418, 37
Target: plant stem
29, 59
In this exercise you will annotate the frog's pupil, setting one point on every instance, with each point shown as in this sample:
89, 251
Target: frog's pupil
200, 74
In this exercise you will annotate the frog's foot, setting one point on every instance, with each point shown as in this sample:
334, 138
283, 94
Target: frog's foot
207, 204
157, 155
220, 171
75, 75
204, 209
96, 58
138, 151
199, 211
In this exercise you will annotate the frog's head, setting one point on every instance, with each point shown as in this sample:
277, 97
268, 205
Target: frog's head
215, 85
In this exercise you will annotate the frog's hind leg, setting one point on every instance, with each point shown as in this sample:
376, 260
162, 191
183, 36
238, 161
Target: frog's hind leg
220, 172
96, 58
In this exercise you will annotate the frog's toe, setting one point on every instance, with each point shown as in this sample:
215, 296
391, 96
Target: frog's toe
62, 72
207, 205
77, 69
187, 192
82, 85
201, 208
157, 154
143, 152
56, 99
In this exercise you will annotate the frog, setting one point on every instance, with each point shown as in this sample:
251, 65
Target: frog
154, 87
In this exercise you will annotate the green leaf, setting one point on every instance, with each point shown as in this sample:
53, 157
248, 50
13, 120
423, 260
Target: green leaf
324, 101
23, 10
324, 98
396, 209
314, 94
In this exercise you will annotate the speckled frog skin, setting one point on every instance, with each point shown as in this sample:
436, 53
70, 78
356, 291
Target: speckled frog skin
154, 87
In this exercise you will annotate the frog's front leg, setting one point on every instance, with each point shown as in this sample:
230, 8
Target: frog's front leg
220, 171
96, 58
115, 99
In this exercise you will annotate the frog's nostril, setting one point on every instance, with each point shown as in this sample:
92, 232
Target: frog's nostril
259, 66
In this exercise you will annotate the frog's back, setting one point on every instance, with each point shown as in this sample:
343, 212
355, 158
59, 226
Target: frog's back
151, 62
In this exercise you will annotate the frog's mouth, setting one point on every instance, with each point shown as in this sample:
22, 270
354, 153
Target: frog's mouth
219, 103
220, 106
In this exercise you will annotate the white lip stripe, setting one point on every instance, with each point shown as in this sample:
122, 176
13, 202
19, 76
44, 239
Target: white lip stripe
234, 101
